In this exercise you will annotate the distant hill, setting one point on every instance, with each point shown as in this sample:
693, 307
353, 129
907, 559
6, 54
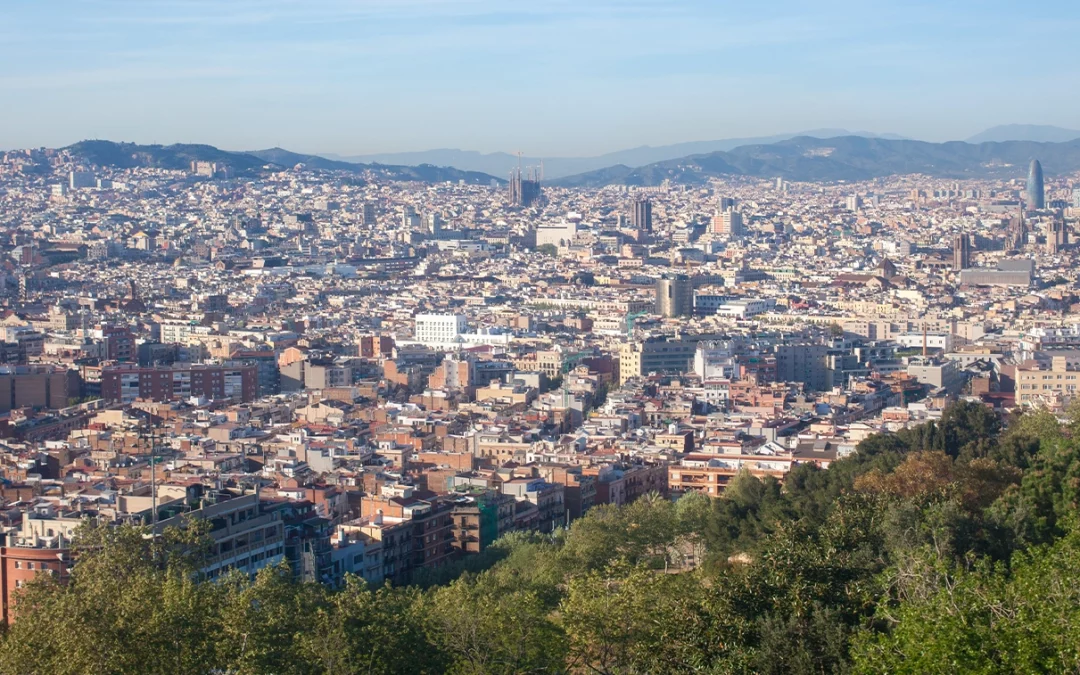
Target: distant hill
286, 158
846, 158
180, 156
424, 173
1039, 133
501, 163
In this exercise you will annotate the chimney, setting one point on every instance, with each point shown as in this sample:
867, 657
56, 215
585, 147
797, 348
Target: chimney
924, 339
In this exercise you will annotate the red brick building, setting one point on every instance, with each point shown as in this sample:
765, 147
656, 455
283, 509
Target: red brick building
125, 383
38, 547
37, 387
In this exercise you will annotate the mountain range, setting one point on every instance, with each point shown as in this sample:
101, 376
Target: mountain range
847, 158
803, 158
501, 163
1040, 133
179, 157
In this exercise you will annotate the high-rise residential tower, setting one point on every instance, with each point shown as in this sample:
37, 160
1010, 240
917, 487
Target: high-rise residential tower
1036, 192
641, 218
674, 296
728, 222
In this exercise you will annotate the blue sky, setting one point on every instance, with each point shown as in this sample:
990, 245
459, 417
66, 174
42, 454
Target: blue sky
550, 77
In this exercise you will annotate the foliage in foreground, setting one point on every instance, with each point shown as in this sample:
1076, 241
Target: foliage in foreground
949, 547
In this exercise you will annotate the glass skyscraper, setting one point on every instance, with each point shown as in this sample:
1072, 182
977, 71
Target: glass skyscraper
1036, 193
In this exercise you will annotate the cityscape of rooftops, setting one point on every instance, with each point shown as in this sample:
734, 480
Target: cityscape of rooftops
491, 361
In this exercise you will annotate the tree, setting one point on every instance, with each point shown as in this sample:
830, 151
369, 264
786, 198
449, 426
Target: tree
548, 249
989, 618
369, 632
132, 604
966, 422
1043, 506
631, 619
748, 509
485, 630
263, 624
692, 513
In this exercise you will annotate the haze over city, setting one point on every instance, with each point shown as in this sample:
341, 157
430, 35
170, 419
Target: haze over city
732, 338
551, 78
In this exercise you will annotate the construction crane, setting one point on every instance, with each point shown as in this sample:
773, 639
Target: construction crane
630, 318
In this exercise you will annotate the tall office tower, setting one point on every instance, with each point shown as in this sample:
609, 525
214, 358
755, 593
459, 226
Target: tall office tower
780, 184
961, 252
853, 203
641, 218
725, 203
728, 222
674, 296
410, 220
1036, 191
369, 213
1076, 197
524, 191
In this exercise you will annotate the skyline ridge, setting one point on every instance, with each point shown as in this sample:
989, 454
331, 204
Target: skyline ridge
498, 165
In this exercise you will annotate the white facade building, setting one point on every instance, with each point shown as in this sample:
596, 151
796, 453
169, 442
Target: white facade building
447, 331
942, 341
745, 309
439, 328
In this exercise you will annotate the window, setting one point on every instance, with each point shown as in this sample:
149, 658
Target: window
18, 564
29, 565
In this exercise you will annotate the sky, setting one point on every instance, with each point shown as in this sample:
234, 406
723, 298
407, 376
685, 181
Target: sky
549, 78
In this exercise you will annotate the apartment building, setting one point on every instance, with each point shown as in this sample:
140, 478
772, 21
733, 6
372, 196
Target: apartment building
480, 516
125, 383
247, 533
40, 545
548, 498
37, 387
1048, 383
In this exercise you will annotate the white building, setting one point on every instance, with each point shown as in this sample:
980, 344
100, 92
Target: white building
439, 328
560, 235
942, 341
447, 331
714, 361
745, 309
177, 331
